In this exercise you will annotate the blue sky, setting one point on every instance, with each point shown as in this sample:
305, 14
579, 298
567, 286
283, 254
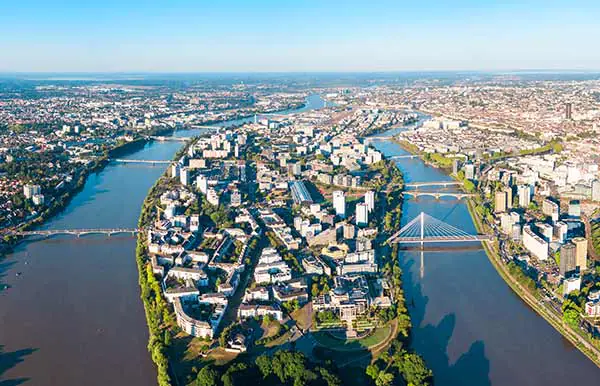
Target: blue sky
300, 35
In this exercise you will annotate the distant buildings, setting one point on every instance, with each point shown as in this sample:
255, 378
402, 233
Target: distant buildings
568, 110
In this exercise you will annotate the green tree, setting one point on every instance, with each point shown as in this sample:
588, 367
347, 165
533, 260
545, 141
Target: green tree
208, 376
571, 317
414, 370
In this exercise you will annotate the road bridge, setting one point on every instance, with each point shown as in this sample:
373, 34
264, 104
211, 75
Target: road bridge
213, 128
443, 184
140, 161
174, 139
437, 195
378, 138
74, 232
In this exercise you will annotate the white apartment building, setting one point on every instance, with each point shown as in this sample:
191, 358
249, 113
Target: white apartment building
535, 244
362, 214
339, 203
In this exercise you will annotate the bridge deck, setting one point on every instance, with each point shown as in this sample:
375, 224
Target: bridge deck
74, 232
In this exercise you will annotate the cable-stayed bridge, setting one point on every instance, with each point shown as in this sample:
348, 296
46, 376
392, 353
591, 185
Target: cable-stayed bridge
427, 229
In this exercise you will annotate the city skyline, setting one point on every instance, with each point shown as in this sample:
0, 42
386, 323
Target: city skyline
271, 37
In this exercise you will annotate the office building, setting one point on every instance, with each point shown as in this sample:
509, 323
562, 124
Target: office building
455, 166
545, 230
339, 203
573, 283
568, 111
202, 183
509, 197
370, 200
184, 176
561, 230
581, 252
568, 259
508, 220
551, 209
524, 192
349, 231
294, 168
31, 190
470, 171
574, 209
500, 202
516, 232
362, 214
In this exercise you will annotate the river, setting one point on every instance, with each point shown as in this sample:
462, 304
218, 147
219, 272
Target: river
468, 325
72, 314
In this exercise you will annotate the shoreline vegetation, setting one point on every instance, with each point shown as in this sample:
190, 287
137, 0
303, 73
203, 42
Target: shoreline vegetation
516, 280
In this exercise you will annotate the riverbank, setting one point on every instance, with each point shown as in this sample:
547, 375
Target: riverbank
537, 305
492, 253
59, 203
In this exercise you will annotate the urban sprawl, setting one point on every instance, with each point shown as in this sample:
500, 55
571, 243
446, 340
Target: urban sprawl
274, 230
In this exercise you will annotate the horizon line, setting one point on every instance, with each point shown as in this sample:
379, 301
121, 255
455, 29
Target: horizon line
160, 72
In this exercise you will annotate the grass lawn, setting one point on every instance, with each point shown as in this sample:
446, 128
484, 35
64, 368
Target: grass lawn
270, 329
379, 335
302, 317
279, 341
220, 356
194, 348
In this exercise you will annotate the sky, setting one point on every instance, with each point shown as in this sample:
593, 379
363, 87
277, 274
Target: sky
298, 36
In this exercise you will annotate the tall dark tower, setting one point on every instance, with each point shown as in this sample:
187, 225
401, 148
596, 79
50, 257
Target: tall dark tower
568, 110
